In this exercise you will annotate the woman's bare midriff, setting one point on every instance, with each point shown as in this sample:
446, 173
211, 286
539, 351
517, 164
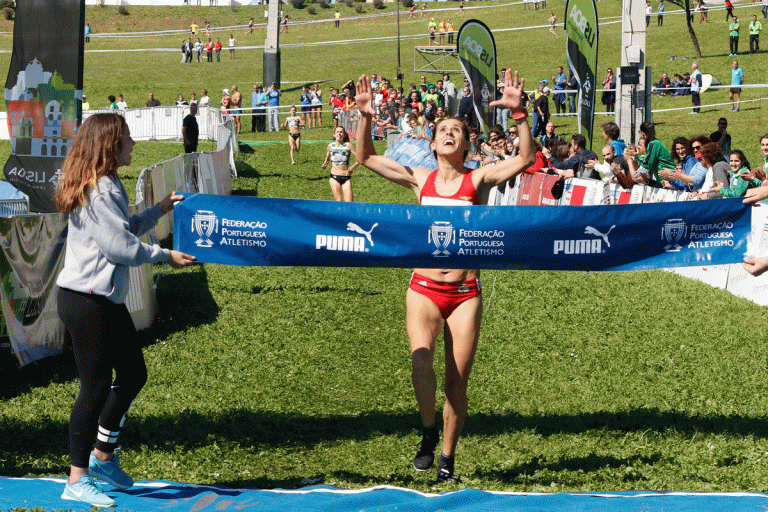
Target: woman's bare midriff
340, 170
448, 275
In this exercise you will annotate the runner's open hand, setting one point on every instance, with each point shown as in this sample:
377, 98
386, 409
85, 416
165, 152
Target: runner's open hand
364, 96
513, 92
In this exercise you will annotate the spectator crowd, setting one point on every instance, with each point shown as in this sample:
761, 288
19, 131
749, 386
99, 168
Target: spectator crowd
704, 165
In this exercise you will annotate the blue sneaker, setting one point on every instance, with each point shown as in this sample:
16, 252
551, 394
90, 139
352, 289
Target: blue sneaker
86, 491
109, 471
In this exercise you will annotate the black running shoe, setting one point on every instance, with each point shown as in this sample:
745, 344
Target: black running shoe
425, 457
445, 473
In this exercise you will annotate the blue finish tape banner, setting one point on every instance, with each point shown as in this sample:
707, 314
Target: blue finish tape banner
295, 232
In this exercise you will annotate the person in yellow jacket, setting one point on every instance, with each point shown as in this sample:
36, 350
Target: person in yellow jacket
755, 27
442, 28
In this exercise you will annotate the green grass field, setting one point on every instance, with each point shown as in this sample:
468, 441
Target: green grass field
268, 376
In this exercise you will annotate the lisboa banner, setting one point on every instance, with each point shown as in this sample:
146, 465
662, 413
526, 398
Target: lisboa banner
581, 29
477, 55
296, 232
43, 95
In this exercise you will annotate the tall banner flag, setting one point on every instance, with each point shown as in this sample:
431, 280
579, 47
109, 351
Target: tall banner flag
581, 29
477, 55
43, 95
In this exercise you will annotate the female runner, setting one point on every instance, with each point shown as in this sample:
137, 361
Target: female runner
294, 135
338, 154
102, 242
445, 296
552, 23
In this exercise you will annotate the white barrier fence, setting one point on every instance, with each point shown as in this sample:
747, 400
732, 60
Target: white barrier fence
158, 123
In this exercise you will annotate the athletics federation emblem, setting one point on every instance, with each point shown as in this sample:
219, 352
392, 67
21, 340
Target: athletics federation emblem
673, 231
204, 223
442, 235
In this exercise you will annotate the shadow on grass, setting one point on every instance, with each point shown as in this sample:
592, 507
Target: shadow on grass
184, 301
638, 420
553, 470
314, 289
256, 430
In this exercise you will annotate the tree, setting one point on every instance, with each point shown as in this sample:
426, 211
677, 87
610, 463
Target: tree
8, 8
686, 4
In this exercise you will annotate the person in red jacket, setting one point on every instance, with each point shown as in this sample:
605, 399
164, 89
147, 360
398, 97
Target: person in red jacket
217, 49
209, 50
541, 164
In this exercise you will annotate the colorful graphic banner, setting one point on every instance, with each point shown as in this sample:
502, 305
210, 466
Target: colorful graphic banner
582, 33
43, 95
293, 232
477, 55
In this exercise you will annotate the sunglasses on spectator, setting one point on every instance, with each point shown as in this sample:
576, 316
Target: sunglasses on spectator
512, 132
696, 148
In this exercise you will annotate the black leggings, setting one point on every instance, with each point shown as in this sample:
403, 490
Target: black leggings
103, 338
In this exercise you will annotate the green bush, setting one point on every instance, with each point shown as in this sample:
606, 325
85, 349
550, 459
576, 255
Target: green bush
379, 4
123, 10
7, 3
349, 3
325, 4
297, 4
311, 9
359, 9
8, 13
407, 3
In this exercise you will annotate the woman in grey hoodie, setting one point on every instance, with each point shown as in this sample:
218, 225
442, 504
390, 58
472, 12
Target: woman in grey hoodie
102, 243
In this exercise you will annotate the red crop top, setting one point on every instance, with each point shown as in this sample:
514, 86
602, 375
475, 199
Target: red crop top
465, 196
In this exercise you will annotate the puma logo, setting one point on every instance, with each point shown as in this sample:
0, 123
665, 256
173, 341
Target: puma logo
592, 231
351, 226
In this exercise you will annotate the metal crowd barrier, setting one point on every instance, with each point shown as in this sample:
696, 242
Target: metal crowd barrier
158, 123
14, 207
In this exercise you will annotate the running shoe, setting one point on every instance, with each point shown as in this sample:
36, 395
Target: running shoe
109, 471
445, 473
425, 457
86, 491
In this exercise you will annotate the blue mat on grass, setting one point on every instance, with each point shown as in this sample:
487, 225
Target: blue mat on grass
177, 497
